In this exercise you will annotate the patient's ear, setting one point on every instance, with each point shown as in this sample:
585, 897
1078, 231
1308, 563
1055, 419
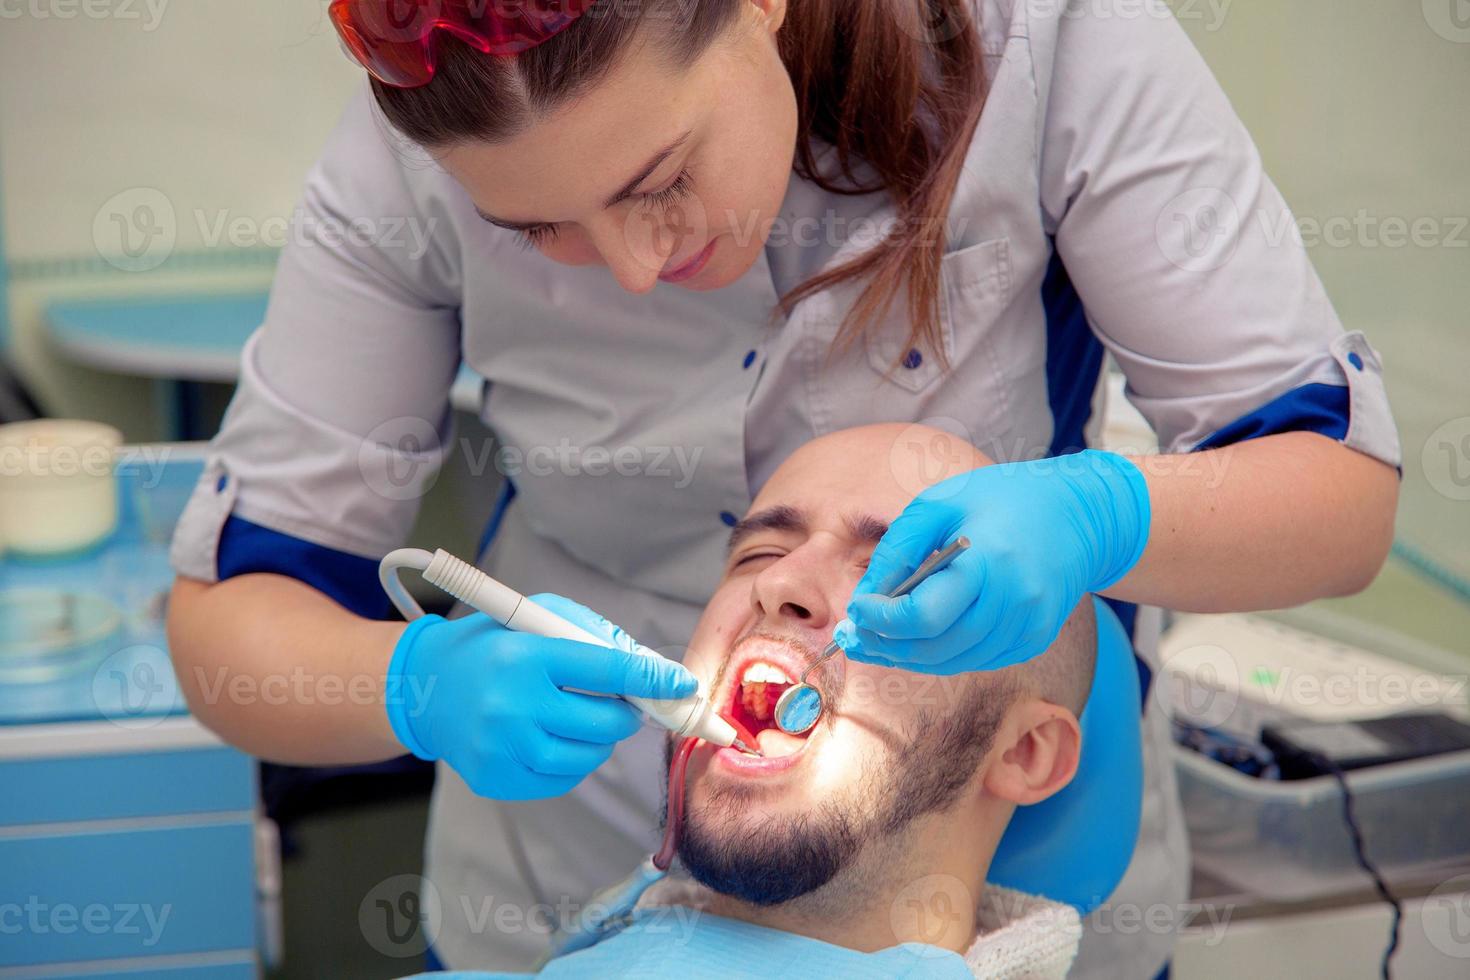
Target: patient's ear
1035, 754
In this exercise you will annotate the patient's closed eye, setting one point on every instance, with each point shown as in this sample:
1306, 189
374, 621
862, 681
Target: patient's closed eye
757, 556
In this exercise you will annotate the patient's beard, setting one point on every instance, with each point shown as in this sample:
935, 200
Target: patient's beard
781, 859
775, 859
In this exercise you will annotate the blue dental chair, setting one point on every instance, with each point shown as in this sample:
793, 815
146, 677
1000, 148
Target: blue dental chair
1075, 846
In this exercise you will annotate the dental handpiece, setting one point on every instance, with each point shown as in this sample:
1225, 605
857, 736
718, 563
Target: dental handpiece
693, 715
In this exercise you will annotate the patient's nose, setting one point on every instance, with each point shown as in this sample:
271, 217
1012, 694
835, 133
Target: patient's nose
790, 590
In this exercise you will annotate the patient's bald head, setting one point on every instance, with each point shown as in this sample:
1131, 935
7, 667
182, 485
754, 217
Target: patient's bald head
875, 467
894, 747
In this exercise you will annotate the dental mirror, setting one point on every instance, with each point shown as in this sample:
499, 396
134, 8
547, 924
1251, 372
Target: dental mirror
800, 705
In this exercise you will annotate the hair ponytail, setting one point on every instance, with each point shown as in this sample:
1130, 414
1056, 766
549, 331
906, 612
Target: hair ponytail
897, 85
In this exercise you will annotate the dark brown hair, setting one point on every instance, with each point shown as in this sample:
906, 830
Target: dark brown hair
895, 85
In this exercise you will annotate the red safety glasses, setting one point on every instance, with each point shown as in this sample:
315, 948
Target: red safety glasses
394, 39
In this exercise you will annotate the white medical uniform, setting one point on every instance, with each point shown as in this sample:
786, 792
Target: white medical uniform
1111, 201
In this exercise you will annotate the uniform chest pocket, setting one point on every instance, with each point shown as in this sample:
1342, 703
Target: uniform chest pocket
975, 288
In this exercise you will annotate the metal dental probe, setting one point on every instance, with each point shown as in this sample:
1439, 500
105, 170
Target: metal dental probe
800, 705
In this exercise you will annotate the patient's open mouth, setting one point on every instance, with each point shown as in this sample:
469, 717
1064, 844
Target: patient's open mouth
753, 704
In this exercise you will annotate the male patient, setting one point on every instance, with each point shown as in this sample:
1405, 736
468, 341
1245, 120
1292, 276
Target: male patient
860, 849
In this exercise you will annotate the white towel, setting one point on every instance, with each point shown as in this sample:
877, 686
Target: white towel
1023, 937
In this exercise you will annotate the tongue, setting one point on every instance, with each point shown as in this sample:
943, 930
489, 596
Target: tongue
775, 743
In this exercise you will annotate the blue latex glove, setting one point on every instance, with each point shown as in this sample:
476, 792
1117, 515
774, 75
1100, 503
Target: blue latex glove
1042, 533
489, 701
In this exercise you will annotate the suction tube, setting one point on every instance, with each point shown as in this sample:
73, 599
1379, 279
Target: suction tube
690, 716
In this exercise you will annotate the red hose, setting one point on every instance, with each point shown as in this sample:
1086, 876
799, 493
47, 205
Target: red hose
674, 818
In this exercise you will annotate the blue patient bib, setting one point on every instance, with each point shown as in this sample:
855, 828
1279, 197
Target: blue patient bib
679, 943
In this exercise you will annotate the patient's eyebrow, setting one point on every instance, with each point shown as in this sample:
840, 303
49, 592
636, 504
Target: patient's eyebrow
778, 518
866, 527
783, 517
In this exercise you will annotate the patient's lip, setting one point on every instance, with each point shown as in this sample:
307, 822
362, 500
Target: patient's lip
792, 656
775, 744
733, 760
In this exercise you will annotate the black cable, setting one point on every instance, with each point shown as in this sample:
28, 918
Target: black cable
1361, 854
1229, 751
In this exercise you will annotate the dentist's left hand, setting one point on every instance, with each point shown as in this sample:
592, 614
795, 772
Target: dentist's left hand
1042, 533
490, 701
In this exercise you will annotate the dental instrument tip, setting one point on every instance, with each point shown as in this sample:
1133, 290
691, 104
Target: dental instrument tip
748, 750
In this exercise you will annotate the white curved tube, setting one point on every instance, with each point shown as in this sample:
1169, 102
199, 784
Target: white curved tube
388, 577
693, 715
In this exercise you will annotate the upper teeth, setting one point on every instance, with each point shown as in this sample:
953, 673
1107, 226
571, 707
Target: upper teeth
764, 673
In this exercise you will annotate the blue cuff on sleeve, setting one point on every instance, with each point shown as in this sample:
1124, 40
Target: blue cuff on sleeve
351, 580
1320, 408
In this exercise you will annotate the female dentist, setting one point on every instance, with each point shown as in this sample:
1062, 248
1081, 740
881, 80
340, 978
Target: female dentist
679, 238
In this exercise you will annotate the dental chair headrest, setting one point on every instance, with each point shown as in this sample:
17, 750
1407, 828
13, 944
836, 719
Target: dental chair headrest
1075, 846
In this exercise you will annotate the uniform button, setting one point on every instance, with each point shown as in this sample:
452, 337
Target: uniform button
729, 518
913, 358
219, 486
749, 359
1355, 360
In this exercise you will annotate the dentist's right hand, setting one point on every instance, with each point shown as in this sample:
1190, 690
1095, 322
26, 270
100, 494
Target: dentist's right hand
490, 701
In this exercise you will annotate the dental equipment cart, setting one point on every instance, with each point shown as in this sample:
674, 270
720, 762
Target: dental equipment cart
127, 830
